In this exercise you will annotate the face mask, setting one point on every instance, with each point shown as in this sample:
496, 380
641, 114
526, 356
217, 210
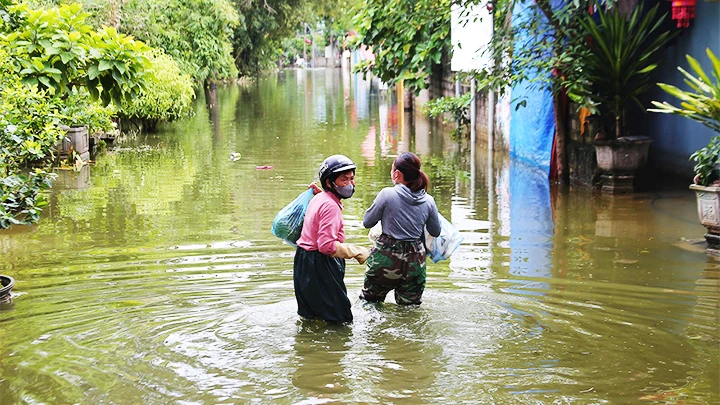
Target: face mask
345, 191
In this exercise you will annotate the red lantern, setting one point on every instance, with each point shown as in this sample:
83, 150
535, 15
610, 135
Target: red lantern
683, 11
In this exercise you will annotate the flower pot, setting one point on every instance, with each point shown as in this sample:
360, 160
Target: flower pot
6, 284
619, 160
76, 139
708, 204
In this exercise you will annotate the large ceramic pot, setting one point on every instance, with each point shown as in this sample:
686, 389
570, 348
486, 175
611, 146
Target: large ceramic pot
619, 160
77, 139
6, 284
708, 204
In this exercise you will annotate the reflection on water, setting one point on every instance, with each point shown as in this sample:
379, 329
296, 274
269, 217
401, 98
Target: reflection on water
153, 276
531, 222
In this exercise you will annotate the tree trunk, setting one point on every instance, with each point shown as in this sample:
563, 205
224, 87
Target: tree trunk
115, 13
561, 138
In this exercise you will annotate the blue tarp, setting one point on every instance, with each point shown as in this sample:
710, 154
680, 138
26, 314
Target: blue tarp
532, 128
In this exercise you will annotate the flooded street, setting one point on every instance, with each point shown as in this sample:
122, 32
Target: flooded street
153, 277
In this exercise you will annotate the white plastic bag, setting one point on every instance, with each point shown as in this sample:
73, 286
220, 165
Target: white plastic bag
444, 245
375, 232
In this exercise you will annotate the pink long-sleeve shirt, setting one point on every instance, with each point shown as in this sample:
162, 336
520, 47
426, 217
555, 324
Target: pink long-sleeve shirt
323, 225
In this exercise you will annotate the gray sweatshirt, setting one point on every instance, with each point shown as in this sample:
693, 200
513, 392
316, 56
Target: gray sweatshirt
404, 213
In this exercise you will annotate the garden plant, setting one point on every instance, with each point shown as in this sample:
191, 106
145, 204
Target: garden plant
702, 104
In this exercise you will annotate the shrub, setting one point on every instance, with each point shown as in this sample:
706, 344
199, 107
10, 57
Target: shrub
457, 107
21, 197
29, 129
79, 109
168, 94
29, 134
56, 50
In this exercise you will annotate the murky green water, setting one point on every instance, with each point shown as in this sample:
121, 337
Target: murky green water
153, 277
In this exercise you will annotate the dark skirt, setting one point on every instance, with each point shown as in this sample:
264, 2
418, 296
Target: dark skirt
319, 287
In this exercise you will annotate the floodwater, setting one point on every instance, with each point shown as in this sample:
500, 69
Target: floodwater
153, 277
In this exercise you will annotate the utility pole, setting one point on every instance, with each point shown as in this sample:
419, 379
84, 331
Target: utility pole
312, 45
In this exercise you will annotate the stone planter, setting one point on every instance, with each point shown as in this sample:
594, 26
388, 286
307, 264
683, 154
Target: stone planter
76, 139
6, 284
708, 204
619, 160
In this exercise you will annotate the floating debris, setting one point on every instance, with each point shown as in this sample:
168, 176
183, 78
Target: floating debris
235, 156
264, 167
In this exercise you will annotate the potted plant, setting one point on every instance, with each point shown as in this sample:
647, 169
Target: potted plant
82, 119
618, 53
702, 104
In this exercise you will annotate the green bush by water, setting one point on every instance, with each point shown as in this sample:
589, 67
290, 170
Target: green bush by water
168, 94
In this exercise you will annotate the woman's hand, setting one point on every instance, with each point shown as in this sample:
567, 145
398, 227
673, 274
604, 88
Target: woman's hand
316, 190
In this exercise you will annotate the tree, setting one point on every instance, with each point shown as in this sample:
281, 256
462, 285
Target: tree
264, 24
196, 33
408, 37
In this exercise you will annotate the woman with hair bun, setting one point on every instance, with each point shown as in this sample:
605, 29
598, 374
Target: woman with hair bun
397, 262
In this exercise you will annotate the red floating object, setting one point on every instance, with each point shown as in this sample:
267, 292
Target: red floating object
264, 167
683, 11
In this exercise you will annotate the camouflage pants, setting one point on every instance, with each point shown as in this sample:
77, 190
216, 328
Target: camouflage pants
395, 265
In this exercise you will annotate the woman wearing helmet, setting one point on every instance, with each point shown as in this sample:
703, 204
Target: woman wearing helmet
319, 268
397, 262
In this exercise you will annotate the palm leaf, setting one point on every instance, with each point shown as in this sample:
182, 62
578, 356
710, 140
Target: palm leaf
702, 104
699, 70
716, 64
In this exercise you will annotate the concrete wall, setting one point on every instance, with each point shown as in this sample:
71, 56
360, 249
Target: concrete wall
676, 138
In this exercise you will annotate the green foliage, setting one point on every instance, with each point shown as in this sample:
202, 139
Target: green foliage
168, 95
707, 159
702, 104
539, 48
621, 54
29, 129
22, 198
56, 50
408, 37
28, 135
531, 47
264, 25
458, 109
291, 47
196, 33
79, 109
117, 66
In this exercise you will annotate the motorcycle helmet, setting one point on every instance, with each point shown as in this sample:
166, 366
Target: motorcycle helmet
332, 166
